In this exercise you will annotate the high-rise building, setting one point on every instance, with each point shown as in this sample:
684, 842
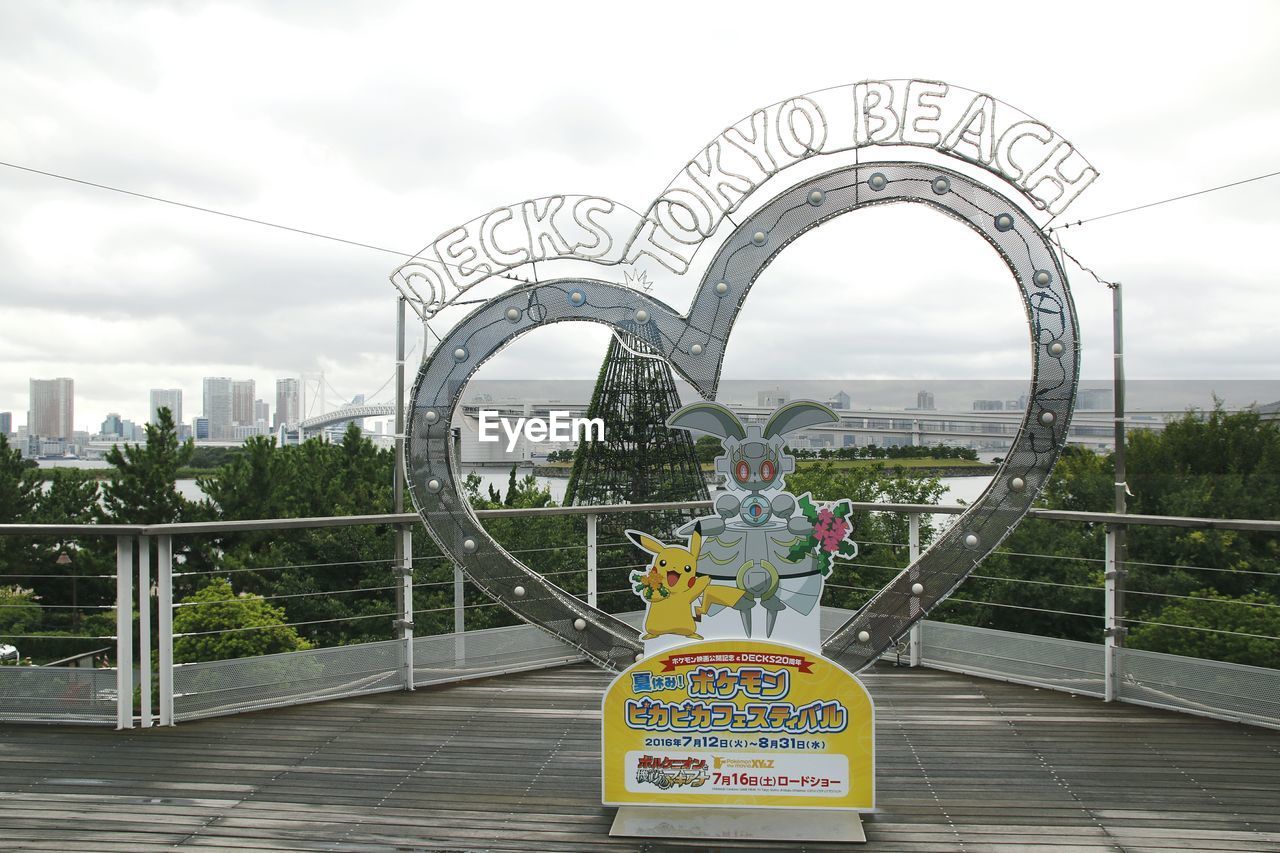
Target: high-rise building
988, 405
6, 423
242, 397
52, 409
217, 407
839, 400
924, 401
200, 428
112, 425
166, 398
261, 414
287, 402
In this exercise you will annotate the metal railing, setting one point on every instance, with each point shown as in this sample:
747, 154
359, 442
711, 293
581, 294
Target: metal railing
146, 569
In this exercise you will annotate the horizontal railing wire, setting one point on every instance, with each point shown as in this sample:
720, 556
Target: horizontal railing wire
1130, 563
286, 625
1197, 628
59, 636
61, 606
1202, 598
282, 596
65, 577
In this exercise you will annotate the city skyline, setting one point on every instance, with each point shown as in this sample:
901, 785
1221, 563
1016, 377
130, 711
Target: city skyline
234, 401
164, 297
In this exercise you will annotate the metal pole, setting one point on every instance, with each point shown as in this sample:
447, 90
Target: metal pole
397, 477
405, 592
1121, 476
459, 619
144, 629
591, 559
1113, 631
124, 632
164, 603
913, 552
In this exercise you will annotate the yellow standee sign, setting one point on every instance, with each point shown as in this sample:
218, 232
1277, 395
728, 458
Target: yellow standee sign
738, 723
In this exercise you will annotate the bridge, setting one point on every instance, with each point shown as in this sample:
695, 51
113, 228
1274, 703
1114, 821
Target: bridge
315, 423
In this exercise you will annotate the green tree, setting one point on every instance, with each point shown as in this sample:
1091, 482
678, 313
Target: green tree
707, 448
142, 487
72, 574
1211, 464
19, 485
19, 489
70, 498
342, 577
19, 611
882, 536
1235, 628
246, 626
552, 545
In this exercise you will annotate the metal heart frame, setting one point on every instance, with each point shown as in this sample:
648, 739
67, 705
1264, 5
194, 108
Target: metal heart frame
694, 344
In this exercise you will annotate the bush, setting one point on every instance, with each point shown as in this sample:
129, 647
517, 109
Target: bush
216, 607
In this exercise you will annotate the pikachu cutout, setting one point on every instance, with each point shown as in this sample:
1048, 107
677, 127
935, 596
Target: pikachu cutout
677, 595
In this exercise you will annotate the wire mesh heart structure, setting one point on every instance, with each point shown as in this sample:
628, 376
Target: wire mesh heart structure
1026, 170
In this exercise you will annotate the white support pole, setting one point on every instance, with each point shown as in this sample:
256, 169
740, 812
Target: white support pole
1118, 534
397, 474
124, 632
164, 620
459, 618
1113, 628
144, 630
913, 553
406, 597
591, 559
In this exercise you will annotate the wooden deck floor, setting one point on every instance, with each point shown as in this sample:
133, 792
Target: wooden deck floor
964, 765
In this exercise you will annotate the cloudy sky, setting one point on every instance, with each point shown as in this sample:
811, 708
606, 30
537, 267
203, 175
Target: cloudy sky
389, 123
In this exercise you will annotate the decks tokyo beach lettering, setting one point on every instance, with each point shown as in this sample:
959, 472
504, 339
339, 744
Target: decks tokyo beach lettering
559, 427
971, 126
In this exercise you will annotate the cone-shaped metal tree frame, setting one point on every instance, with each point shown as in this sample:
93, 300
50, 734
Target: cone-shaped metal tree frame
640, 460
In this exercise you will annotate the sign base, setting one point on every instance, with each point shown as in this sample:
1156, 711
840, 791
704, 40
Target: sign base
793, 825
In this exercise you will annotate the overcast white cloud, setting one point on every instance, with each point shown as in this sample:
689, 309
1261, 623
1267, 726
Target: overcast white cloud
388, 123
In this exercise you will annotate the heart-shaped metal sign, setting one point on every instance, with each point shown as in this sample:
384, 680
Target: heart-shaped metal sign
694, 342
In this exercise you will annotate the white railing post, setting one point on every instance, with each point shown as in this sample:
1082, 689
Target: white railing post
591, 559
144, 631
124, 632
913, 553
164, 620
405, 570
1114, 617
459, 618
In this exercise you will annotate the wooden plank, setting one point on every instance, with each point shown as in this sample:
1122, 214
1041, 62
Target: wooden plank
962, 763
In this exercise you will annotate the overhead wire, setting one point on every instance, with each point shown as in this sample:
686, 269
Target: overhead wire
253, 221
1080, 222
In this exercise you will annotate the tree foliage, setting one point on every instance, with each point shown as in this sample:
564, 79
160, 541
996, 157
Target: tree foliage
882, 537
142, 488
1211, 464
246, 625
1046, 579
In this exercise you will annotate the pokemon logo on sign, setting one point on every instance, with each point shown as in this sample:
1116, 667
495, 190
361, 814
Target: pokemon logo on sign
738, 723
